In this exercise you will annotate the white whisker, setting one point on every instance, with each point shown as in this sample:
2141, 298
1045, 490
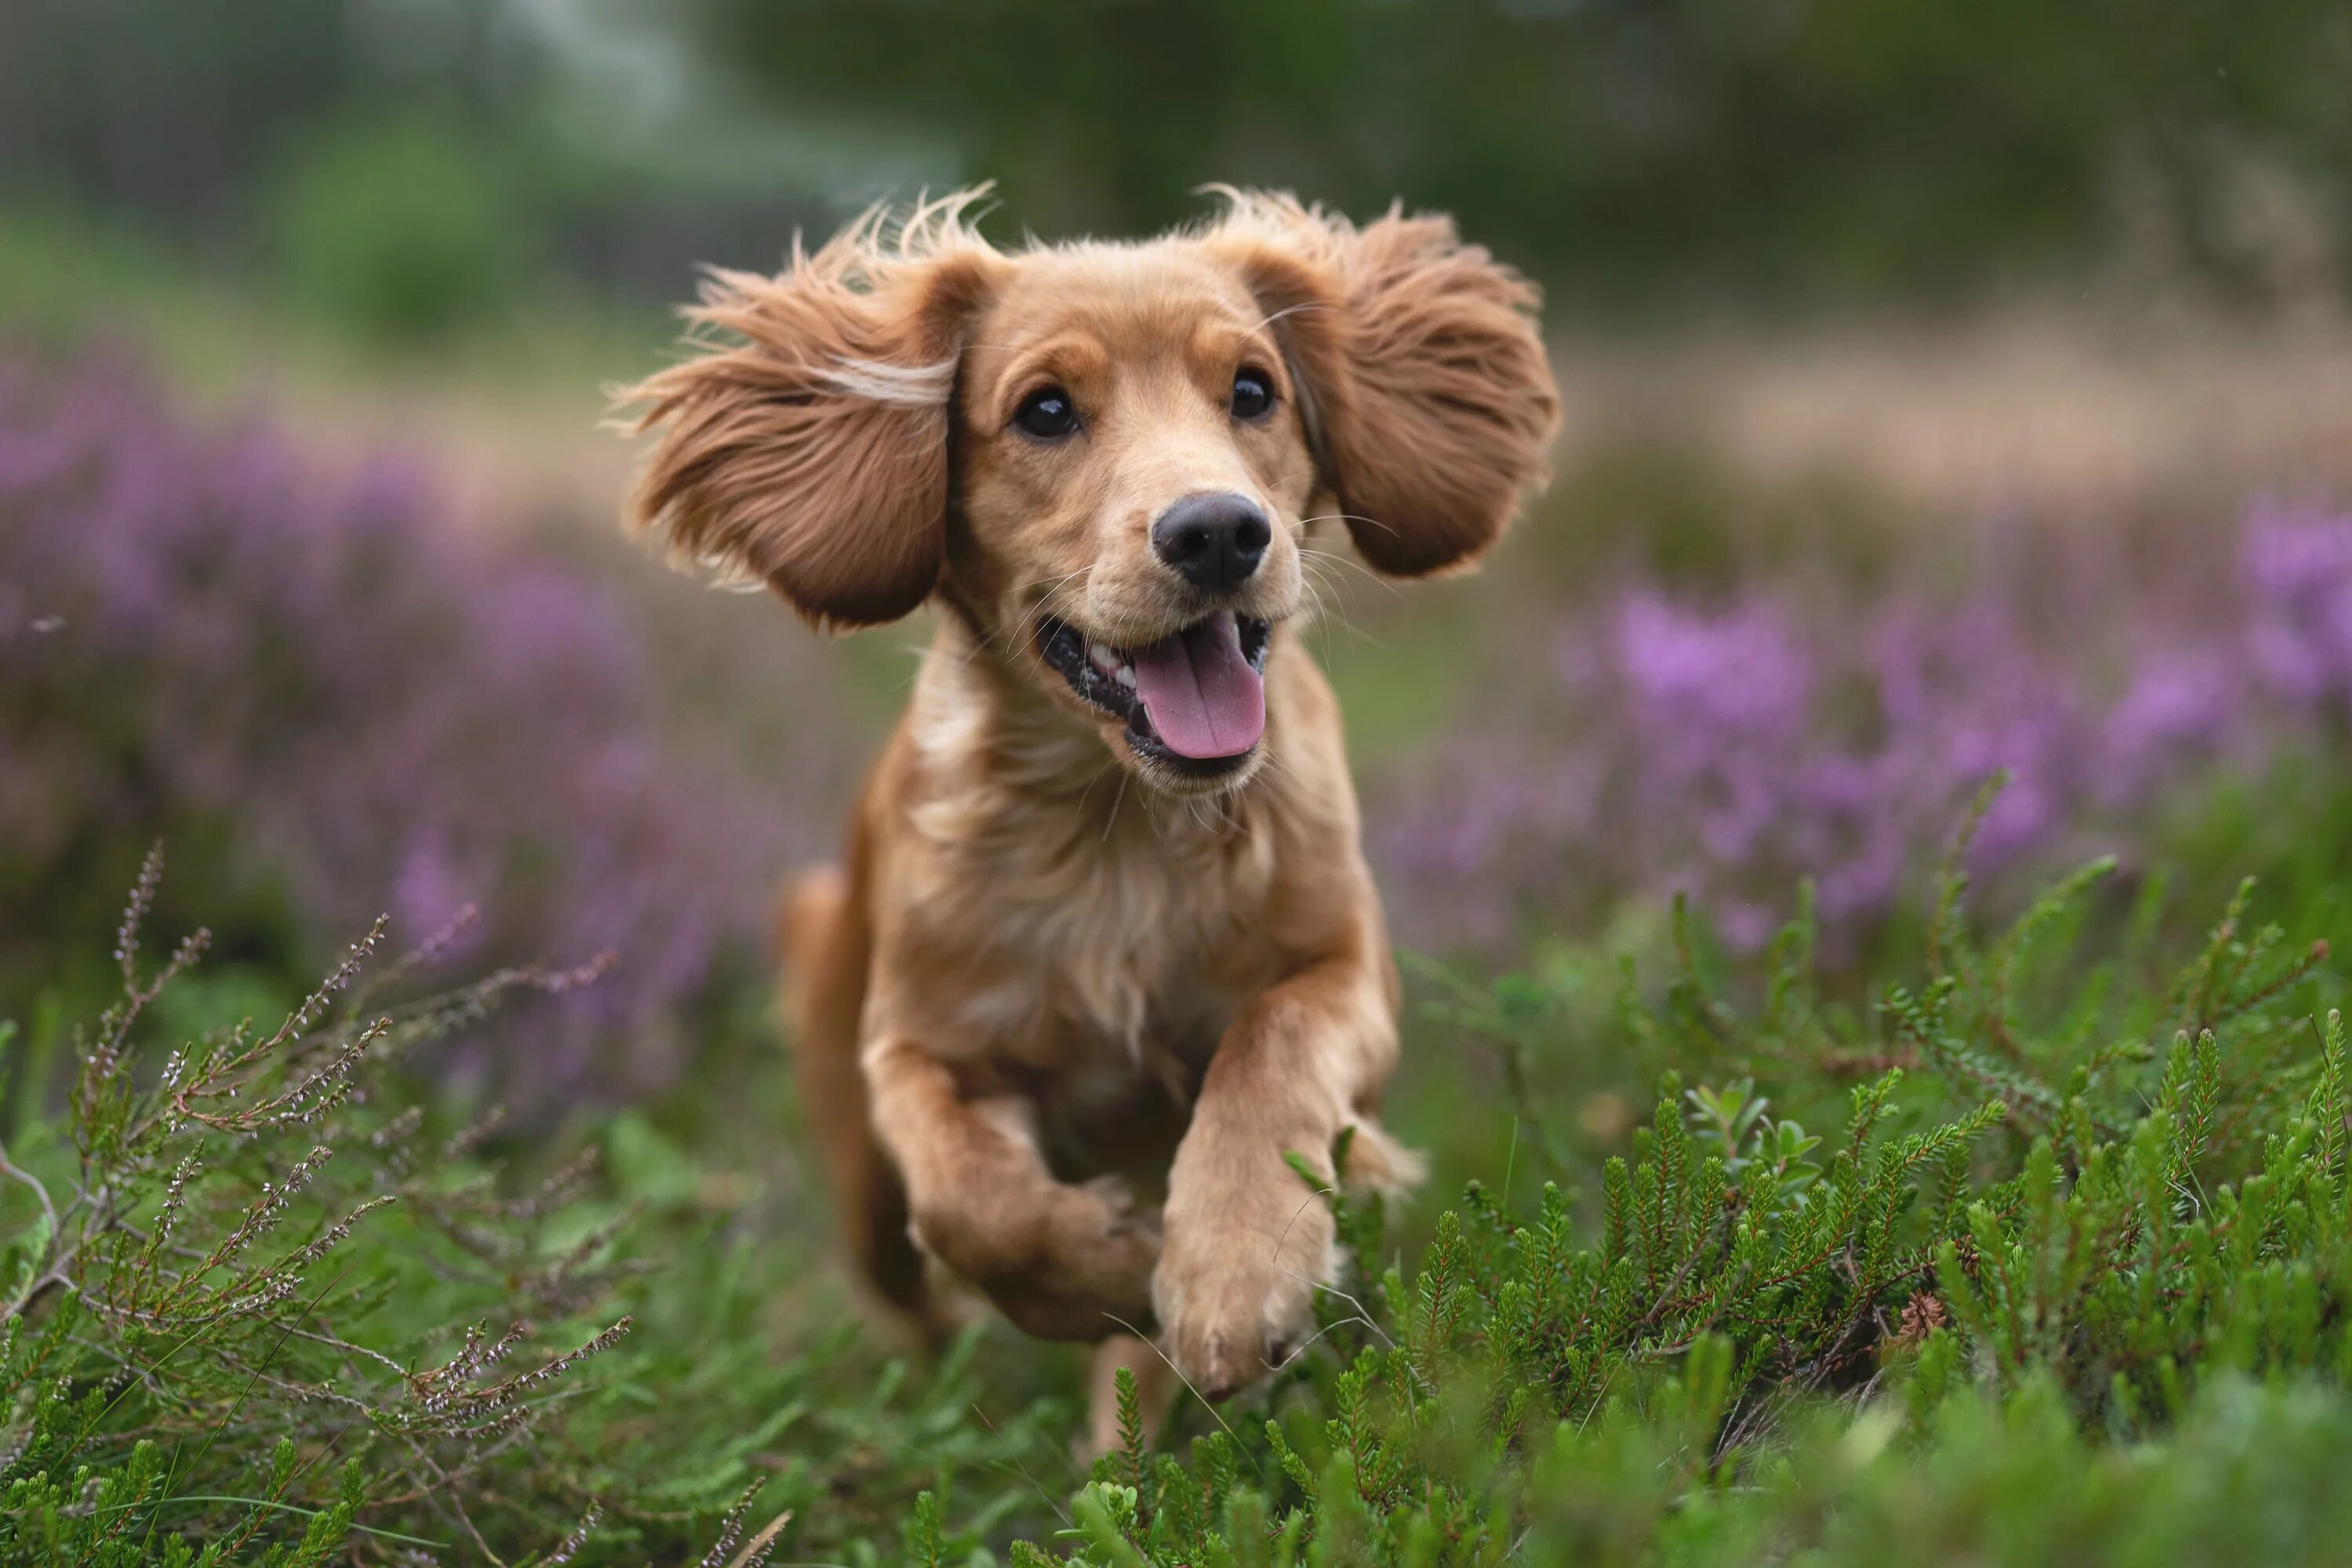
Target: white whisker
1347, 517
1097, 779
1291, 311
1116, 801
1351, 563
1008, 638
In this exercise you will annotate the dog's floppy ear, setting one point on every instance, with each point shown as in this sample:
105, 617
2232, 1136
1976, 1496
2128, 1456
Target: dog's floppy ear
804, 443
1424, 383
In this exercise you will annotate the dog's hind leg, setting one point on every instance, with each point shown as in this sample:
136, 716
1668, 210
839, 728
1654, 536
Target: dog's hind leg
824, 943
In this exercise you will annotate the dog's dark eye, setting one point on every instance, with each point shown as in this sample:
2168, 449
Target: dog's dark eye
1047, 414
1252, 394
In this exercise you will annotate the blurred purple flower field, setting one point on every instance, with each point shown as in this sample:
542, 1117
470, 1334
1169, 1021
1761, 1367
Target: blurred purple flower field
332, 705
1727, 750
309, 684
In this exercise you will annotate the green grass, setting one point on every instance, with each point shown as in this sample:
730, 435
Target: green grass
2034, 1249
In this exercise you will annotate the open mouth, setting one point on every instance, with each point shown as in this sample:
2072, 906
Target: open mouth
1195, 701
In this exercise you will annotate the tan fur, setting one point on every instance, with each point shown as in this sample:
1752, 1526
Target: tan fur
1063, 1011
1434, 399
810, 452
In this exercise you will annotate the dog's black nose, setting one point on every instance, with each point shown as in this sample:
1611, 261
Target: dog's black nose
1214, 540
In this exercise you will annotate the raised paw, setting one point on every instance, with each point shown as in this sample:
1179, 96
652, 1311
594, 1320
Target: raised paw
1236, 1287
1119, 1209
1065, 1263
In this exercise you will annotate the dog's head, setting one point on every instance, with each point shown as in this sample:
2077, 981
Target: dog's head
1106, 459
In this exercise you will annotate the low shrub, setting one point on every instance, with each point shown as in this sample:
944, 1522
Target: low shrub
2075, 1220
260, 1304
2043, 1257
2247, 1473
2038, 1255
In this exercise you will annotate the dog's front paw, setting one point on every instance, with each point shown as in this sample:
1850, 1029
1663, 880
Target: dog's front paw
1113, 1200
1092, 1266
1236, 1286
1064, 1262
1111, 1242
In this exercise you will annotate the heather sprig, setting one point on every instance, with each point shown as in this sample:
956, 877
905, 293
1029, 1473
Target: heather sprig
267, 1308
160, 1247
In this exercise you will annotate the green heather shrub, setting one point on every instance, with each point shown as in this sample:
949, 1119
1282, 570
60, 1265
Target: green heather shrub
2060, 1224
2249, 1473
259, 1305
2041, 1255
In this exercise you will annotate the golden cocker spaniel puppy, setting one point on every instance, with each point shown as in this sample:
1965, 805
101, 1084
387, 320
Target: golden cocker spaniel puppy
1102, 947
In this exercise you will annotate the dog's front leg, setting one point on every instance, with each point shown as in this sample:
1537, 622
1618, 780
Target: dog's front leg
1062, 1262
1246, 1241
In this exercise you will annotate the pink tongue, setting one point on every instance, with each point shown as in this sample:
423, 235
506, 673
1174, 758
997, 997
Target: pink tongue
1203, 698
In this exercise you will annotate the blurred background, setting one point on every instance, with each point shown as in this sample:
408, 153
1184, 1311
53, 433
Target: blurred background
1948, 389
1966, 240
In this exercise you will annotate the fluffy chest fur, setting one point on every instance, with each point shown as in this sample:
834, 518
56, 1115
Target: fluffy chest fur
1083, 945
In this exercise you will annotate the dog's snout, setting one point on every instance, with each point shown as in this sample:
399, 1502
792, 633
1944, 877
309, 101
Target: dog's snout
1213, 541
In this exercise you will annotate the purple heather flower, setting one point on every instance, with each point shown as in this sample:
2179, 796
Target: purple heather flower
1729, 752
2297, 563
2181, 704
1704, 678
363, 709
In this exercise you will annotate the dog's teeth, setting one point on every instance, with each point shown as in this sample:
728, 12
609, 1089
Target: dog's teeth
1102, 657
1124, 675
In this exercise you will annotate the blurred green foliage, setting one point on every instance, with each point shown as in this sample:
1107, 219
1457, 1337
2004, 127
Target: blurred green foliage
2069, 1287
1635, 155
401, 227
1638, 149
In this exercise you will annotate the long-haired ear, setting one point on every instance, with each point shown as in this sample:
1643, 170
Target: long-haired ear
1423, 381
804, 442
